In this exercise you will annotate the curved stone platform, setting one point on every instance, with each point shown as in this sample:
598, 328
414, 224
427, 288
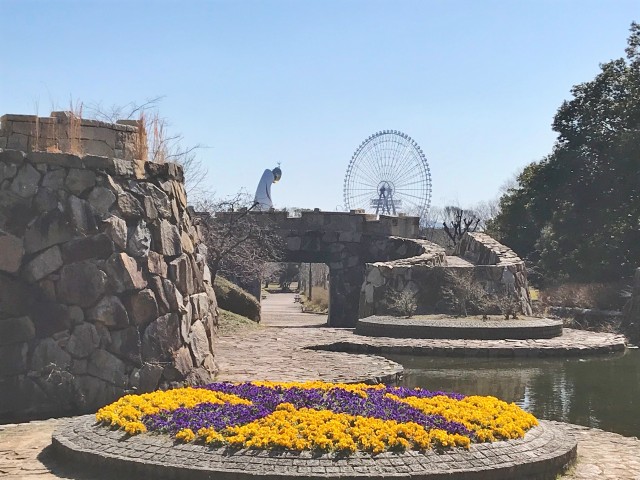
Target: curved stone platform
545, 451
431, 326
572, 343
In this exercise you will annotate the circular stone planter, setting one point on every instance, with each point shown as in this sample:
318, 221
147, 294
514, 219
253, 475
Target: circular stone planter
457, 328
545, 451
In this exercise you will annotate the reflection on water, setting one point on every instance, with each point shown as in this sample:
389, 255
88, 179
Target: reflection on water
601, 392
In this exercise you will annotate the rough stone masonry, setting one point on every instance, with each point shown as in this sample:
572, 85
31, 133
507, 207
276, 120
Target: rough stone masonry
104, 287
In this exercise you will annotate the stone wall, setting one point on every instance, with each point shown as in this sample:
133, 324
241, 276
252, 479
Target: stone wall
104, 287
63, 132
423, 272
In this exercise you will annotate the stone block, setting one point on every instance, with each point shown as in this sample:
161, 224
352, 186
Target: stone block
182, 361
126, 344
155, 200
139, 240
60, 159
181, 272
43, 264
25, 183
54, 179
18, 141
48, 357
161, 338
11, 252
81, 284
79, 180
200, 303
179, 192
49, 229
123, 167
157, 286
198, 342
107, 367
97, 246
96, 393
49, 317
15, 296
101, 199
7, 171
199, 376
16, 330
173, 296
81, 215
83, 341
129, 206
97, 162
186, 318
12, 156
13, 359
46, 200
96, 147
76, 315
156, 264
143, 307
78, 366
149, 377
116, 228
102, 134
187, 244
166, 239
124, 273
110, 312
210, 365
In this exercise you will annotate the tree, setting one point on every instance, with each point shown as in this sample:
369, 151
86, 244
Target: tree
239, 242
577, 212
460, 222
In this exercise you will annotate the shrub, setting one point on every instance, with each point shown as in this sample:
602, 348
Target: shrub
463, 294
401, 302
601, 296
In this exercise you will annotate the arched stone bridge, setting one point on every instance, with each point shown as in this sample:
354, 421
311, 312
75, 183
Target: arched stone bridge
369, 257
345, 241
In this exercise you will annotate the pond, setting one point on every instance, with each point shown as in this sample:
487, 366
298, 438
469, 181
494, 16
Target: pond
602, 392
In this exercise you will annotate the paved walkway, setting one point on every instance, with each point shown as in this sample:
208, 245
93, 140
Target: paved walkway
24, 452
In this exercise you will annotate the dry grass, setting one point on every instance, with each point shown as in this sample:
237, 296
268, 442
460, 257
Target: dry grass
74, 128
584, 295
142, 141
319, 302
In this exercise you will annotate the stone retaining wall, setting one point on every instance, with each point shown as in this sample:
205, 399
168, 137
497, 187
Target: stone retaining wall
424, 273
104, 287
64, 132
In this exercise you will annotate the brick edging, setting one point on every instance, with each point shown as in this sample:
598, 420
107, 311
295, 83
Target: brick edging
545, 451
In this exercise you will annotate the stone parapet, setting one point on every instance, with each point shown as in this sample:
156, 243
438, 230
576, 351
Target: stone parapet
64, 132
104, 287
480, 249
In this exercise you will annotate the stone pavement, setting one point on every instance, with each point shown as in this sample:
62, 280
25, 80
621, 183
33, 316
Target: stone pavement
25, 448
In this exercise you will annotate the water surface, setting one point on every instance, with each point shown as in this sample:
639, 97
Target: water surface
602, 392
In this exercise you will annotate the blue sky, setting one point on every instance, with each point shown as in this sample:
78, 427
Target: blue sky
303, 82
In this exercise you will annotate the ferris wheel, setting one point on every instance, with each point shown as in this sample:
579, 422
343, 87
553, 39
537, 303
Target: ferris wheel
388, 174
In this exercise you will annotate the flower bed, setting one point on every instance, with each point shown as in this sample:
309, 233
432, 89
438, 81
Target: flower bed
318, 416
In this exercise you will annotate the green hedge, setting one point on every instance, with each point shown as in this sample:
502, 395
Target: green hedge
233, 298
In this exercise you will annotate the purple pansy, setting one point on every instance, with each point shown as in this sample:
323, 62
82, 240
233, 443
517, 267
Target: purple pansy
265, 400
